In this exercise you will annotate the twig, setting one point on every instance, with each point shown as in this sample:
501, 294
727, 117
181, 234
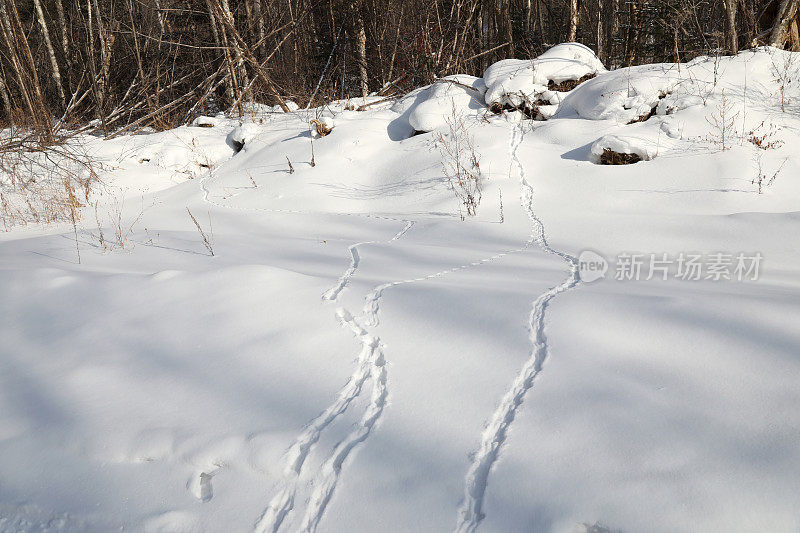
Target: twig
206, 242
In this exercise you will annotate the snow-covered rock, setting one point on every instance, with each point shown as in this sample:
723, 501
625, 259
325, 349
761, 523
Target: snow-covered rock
642, 146
624, 95
239, 136
521, 82
207, 122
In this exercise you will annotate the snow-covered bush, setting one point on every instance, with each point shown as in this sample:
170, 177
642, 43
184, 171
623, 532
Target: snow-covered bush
539, 85
322, 126
241, 134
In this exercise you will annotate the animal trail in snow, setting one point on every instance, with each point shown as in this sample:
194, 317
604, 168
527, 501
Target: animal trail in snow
496, 432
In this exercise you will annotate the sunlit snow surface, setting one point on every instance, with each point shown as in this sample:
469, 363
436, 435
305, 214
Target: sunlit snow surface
355, 357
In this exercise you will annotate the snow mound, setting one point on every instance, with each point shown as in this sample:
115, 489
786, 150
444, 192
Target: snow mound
625, 95
182, 152
459, 93
634, 94
207, 122
242, 133
521, 83
642, 146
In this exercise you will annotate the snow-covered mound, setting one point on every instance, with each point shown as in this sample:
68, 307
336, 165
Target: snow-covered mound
180, 153
623, 95
519, 83
642, 147
452, 94
707, 102
537, 86
242, 133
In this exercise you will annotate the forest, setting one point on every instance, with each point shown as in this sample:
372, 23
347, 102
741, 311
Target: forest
121, 65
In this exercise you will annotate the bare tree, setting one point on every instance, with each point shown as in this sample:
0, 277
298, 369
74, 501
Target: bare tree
573, 20
361, 49
785, 28
50, 52
184, 57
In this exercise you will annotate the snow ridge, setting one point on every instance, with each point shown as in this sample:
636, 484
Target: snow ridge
496, 432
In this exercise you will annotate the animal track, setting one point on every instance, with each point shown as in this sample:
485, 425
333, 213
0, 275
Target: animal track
371, 365
200, 486
496, 432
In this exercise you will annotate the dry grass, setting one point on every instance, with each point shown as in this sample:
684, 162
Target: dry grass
723, 124
321, 127
208, 243
764, 137
43, 182
461, 164
786, 73
764, 179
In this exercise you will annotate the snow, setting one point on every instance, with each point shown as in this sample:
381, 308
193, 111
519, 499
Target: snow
515, 82
641, 146
242, 134
355, 357
452, 94
623, 95
681, 108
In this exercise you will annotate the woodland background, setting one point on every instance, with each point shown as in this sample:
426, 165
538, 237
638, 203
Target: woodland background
121, 65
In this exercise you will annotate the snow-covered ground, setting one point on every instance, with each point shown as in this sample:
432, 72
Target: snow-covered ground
355, 357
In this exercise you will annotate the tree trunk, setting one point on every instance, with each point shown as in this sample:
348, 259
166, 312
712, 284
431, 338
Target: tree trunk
780, 36
160, 16
600, 48
731, 38
19, 52
573, 21
241, 71
527, 25
361, 50
6, 99
504, 16
257, 13
62, 22
540, 15
50, 52
632, 34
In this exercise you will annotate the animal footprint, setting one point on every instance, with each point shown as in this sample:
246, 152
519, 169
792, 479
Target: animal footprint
200, 486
